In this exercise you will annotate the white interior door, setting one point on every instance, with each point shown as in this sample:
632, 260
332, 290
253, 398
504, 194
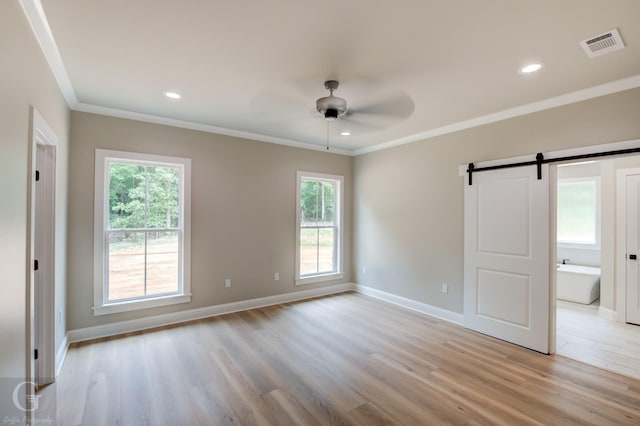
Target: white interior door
633, 249
506, 258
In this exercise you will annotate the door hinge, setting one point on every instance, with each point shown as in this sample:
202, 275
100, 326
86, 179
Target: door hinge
37, 175
35, 265
35, 354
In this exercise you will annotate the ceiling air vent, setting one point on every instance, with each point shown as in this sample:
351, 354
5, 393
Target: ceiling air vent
602, 44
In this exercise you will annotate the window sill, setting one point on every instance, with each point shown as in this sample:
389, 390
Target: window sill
579, 246
134, 305
319, 278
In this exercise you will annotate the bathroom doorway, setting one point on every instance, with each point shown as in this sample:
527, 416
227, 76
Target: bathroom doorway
586, 326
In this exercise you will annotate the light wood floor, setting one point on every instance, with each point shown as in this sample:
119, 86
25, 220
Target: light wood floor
345, 359
585, 336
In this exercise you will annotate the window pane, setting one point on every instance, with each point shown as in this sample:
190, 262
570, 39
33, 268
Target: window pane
163, 184
317, 201
126, 265
326, 250
308, 251
126, 196
162, 262
577, 212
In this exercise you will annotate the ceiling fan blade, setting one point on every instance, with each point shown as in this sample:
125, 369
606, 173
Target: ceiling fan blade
394, 105
358, 125
371, 107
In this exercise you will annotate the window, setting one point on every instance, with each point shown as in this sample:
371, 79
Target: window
579, 212
142, 231
319, 233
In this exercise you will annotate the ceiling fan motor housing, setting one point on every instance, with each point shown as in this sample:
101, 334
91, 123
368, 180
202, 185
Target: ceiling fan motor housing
331, 106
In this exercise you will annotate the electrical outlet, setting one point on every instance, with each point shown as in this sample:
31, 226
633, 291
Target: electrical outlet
227, 282
364, 270
445, 288
276, 276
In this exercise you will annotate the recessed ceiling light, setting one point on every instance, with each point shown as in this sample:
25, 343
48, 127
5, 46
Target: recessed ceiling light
172, 95
530, 68
345, 133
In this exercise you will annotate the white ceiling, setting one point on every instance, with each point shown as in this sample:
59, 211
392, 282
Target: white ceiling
255, 68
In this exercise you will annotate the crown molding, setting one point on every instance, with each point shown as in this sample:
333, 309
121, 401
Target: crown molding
566, 99
40, 27
119, 113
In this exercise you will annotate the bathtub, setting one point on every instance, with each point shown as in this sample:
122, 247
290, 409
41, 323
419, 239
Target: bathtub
577, 283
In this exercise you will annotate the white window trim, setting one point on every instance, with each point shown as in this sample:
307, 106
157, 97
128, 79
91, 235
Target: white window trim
585, 246
101, 306
339, 220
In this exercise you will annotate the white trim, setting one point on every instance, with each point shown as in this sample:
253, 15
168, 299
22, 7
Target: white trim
319, 278
147, 118
134, 305
101, 306
556, 101
41, 30
553, 256
61, 354
414, 305
607, 313
122, 327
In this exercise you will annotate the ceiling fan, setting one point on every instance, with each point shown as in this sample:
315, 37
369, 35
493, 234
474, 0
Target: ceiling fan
331, 106
377, 114
371, 106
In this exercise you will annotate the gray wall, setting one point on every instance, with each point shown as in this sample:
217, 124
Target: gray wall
408, 200
26, 81
243, 211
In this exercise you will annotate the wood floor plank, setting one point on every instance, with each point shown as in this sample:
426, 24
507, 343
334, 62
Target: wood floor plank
297, 412
347, 359
370, 414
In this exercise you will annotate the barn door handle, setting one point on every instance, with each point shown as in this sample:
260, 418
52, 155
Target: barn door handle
633, 257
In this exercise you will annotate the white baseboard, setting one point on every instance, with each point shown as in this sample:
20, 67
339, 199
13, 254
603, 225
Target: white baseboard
61, 354
122, 327
607, 313
424, 308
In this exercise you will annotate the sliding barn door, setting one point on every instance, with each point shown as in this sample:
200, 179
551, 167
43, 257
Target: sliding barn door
506, 258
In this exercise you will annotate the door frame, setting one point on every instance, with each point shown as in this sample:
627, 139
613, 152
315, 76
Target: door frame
553, 256
621, 241
41, 211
